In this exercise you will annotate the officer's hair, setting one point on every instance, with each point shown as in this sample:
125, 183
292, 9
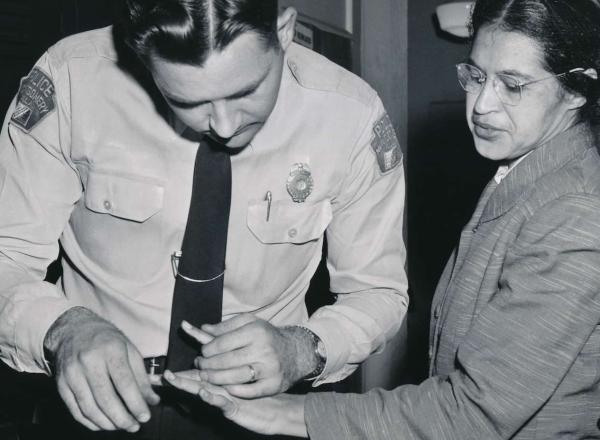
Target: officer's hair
567, 31
188, 31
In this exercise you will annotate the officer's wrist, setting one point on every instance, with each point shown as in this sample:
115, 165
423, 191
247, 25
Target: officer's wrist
317, 354
69, 322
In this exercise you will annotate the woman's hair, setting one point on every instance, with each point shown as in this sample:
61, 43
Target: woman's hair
188, 31
568, 31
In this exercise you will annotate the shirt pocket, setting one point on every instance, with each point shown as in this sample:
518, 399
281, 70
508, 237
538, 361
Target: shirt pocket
288, 222
133, 198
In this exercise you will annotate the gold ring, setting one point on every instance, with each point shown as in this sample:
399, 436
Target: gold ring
252, 374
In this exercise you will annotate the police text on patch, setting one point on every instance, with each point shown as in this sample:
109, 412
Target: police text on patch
35, 100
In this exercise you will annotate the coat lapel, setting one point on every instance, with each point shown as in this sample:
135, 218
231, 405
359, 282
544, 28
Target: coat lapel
543, 160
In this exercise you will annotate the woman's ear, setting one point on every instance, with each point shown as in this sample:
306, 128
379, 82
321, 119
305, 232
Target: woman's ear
575, 100
286, 27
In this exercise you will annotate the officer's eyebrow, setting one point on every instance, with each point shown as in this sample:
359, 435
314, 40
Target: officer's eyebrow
246, 91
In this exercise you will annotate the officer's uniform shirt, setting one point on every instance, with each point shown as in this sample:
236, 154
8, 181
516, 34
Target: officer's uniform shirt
86, 156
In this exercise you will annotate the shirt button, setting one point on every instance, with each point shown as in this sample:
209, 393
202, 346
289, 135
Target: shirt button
292, 232
107, 205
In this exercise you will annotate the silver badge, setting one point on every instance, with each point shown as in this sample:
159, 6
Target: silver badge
299, 182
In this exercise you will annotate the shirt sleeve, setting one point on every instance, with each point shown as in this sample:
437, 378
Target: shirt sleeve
39, 186
366, 253
517, 352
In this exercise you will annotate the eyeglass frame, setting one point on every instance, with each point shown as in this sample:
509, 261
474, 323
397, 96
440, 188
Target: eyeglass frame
518, 84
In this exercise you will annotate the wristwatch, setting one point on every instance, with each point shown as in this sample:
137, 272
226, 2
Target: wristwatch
320, 353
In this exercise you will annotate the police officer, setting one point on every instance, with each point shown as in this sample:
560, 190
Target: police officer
97, 153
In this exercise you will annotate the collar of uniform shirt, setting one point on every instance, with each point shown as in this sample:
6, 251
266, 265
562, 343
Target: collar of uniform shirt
503, 170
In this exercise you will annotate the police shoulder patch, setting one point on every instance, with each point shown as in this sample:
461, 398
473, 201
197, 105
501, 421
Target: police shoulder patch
385, 144
34, 101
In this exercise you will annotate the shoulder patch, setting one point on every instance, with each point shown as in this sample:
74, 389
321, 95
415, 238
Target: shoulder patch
385, 144
35, 100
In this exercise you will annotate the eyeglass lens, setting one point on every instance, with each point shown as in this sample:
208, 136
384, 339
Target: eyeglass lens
473, 79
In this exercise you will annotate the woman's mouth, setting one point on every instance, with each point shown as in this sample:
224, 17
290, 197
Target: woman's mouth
485, 131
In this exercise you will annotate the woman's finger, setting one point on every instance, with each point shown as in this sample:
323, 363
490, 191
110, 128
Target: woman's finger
219, 400
183, 381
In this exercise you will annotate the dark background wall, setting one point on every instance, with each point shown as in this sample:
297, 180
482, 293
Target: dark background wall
444, 174
28, 27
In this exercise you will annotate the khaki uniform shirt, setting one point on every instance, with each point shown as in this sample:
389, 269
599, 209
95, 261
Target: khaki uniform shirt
87, 156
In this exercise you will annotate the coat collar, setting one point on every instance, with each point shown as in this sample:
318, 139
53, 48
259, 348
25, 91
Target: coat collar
543, 160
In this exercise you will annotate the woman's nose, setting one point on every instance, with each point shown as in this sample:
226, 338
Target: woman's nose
487, 100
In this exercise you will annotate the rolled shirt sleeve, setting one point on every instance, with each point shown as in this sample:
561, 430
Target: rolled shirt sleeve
38, 189
366, 253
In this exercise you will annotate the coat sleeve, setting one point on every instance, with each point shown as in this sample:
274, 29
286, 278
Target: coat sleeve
366, 253
39, 186
517, 352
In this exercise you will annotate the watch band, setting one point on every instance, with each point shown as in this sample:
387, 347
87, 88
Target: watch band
319, 350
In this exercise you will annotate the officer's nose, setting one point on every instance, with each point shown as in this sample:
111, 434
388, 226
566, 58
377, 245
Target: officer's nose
223, 120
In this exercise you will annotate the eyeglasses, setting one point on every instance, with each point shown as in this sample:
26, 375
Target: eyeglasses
508, 89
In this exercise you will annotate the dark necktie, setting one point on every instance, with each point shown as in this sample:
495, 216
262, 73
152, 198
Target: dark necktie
198, 294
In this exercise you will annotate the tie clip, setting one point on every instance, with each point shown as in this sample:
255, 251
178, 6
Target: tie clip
175, 257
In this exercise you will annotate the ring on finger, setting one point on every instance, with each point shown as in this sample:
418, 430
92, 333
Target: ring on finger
252, 373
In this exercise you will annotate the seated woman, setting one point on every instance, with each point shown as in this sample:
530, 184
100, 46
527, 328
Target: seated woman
515, 336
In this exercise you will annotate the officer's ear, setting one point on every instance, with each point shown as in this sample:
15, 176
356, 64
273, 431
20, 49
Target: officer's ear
286, 27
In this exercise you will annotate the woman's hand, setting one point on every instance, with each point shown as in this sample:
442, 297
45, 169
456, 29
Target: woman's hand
282, 414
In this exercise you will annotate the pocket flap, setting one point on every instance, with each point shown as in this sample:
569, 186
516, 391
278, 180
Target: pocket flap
129, 198
288, 222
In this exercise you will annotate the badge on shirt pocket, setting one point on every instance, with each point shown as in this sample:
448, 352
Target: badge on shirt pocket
300, 182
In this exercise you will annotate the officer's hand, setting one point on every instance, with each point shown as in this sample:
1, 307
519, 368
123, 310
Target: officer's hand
100, 375
282, 414
252, 358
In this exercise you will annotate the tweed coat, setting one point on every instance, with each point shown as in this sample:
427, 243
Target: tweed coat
515, 340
